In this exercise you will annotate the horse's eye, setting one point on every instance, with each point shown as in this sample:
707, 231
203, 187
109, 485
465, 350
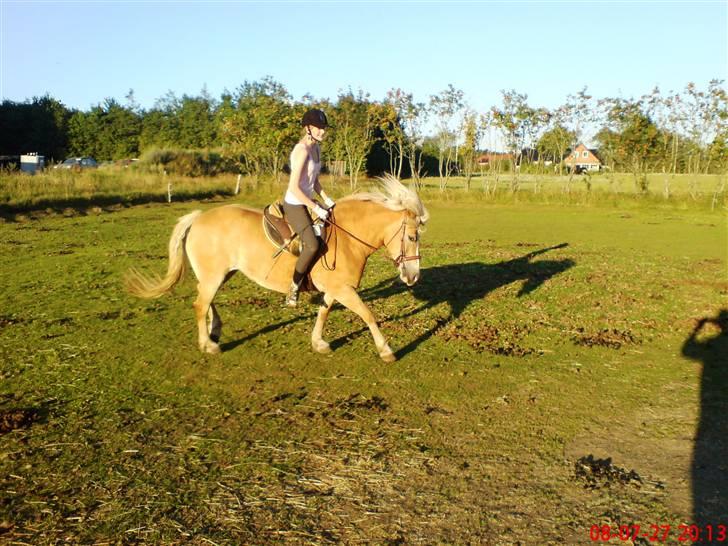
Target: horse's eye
413, 238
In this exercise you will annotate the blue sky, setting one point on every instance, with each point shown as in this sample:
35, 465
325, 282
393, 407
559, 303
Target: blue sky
81, 52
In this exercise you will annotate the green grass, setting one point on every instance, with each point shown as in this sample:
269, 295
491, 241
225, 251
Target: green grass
63, 191
538, 335
679, 185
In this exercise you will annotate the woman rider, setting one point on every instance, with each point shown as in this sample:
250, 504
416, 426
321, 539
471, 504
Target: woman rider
302, 186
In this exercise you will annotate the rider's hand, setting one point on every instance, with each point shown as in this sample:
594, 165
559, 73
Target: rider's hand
329, 202
321, 212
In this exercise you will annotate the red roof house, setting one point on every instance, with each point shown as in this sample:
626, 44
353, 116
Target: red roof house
583, 159
492, 158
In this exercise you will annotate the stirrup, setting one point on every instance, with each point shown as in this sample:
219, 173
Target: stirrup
292, 297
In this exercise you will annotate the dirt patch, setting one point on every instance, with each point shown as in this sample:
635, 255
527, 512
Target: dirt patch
9, 320
486, 337
612, 338
598, 473
15, 419
358, 401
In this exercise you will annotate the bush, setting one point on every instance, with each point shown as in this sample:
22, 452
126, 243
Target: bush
193, 163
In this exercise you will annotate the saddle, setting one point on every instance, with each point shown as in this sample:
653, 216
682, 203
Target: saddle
278, 231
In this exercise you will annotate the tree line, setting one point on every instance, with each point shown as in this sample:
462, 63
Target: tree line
253, 128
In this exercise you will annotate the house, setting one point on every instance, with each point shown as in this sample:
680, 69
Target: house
583, 159
492, 158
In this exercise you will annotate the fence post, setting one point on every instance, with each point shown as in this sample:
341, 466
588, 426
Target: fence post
169, 187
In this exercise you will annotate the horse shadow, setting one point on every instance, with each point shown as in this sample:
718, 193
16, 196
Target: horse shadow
459, 285
230, 345
710, 453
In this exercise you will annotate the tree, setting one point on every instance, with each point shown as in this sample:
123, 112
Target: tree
107, 131
197, 127
515, 119
355, 121
446, 108
262, 127
394, 109
671, 124
413, 117
715, 121
634, 139
472, 133
554, 143
187, 122
39, 125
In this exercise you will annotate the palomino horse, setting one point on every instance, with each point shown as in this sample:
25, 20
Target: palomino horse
230, 238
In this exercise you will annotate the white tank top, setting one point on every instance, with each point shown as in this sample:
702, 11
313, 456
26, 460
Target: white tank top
308, 176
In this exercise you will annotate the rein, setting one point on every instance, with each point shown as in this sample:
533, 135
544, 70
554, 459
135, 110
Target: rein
399, 260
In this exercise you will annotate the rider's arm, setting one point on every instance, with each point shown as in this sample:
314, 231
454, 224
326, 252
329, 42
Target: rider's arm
318, 189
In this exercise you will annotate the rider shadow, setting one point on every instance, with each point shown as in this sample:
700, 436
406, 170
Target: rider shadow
459, 285
709, 473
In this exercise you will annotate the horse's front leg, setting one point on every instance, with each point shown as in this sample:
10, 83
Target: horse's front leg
350, 299
319, 345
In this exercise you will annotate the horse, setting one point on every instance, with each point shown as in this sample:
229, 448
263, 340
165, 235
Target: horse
230, 238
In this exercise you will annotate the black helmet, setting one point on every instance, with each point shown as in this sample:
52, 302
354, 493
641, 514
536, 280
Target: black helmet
315, 117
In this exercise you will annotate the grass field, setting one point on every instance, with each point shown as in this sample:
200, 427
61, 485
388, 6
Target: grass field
554, 374
59, 190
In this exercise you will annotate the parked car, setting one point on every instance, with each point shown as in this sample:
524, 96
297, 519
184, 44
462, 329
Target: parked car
78, 163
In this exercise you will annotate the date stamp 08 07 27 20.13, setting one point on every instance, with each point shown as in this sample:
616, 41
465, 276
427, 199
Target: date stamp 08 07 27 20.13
660, 533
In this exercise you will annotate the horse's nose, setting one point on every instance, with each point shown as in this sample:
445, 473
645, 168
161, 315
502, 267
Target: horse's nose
411, 280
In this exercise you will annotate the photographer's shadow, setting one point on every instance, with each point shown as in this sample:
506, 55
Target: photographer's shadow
459, 285
710, 456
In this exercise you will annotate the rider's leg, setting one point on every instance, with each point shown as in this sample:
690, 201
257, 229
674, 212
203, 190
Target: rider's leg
298, 217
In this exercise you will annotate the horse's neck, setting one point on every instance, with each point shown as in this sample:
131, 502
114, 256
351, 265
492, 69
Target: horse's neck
366, 220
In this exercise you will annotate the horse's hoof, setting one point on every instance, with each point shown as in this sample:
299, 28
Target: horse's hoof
212, 348
388, 356
321, 347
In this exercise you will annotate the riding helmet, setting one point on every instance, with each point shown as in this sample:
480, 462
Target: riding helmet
316, 118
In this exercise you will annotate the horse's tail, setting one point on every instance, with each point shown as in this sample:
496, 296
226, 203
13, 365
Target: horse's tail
144, 286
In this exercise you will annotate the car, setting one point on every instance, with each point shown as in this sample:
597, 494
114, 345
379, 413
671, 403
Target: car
78, 163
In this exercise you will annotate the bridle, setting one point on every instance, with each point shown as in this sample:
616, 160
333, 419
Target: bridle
398, 261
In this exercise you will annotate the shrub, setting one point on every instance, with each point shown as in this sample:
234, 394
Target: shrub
192, 163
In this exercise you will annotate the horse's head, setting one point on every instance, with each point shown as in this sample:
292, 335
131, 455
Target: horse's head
403, 247
401, 226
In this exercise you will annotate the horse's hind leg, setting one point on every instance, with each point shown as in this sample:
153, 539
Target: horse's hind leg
206, 290
215, 324
319, 345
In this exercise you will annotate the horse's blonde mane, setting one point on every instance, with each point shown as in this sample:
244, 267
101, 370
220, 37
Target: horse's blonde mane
394, 195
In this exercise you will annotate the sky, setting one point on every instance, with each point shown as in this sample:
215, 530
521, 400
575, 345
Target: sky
82, 52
